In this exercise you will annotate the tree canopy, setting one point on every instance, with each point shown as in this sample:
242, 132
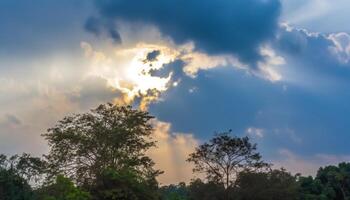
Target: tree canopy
13, 186
224, 156
62, 189
83, 146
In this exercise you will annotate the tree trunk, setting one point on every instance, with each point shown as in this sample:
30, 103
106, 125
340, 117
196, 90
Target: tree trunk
227, 186
343, 193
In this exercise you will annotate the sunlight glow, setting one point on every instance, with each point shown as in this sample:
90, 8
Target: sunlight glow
131, 73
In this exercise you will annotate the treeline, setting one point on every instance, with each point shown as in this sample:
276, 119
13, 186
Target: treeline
102, 155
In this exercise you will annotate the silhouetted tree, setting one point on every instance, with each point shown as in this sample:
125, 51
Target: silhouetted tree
312, 189
271, 185
174, 192
84, 146
223, 157
126, 184
198, 190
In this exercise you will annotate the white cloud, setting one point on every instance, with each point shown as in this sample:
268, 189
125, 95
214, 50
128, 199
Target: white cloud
127, 72
269, 67
255, 132
341, 48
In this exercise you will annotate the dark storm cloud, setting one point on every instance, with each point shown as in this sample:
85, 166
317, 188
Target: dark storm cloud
98, 27
292, 118
152, 56
235, 27
93, 25
115, 35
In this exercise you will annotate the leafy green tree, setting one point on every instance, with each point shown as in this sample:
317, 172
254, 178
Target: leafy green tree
125, 184
62, 189
336, 179
25, 166
15, 174
271, 185
13, 186
310, 189
224, 157
174, 192
331, 183
84, 146
198, 190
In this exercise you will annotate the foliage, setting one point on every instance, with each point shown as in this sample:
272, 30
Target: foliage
62, 189
271, 185
224, 157
331, 182
83, 146
13, 186
174, 192
198, 190
310, 189
25, 166
125, 184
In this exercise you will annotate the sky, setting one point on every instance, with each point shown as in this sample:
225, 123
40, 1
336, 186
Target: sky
277, 71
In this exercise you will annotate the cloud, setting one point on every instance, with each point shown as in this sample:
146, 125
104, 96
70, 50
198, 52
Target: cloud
152, 56
307, 165
341, 46
216, 27
93, 91
313, 57
255, 132
333, 48
142, 72
268, 68
129, 71
171, 153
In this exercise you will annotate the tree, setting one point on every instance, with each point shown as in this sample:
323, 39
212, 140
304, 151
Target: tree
15, 174
198, 190
331, 182
25, 166
174, 192
312, 189
224, 157
271, 185
14, 187
125, 184
84, 146
336, 180
62, 189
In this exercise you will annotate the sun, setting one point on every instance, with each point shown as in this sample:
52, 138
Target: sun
129, 72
